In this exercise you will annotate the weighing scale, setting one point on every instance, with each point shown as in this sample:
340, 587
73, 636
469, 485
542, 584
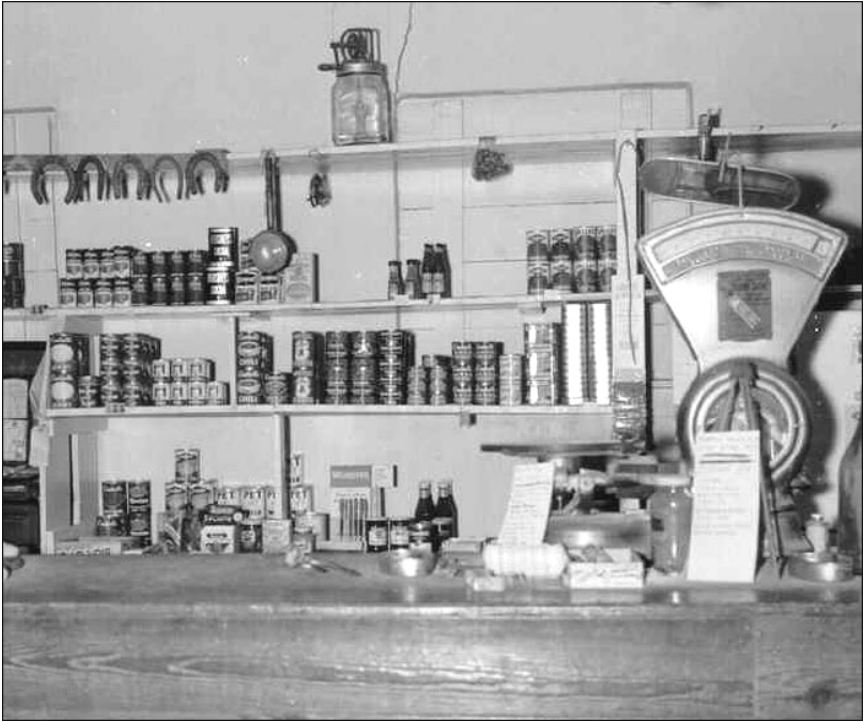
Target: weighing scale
740, 284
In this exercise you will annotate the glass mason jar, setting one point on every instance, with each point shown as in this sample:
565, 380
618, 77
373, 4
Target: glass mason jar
670, 518
360, 103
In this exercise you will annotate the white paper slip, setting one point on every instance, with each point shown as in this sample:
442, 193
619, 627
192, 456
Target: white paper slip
528, 506
726, 516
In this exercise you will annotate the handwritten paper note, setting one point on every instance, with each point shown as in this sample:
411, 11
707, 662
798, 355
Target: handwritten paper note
726, 520
528, 506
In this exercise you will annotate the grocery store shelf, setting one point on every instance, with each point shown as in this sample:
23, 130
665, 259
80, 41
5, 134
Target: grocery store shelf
328, 410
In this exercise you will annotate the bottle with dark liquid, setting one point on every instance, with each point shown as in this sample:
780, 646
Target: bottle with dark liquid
427, 270
412, 278
443, 261
445, 521
425, 509
394, 279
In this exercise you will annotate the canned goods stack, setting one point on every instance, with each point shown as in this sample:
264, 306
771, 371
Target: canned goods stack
439, 370
337, 355
395, 352
89, 392
462, 372
254, 363
561, 260
114, 519
364, 367
222, 263
140, 509
538, 260
97, 278
511, 379
586, 260
13, 275
69, 357
277, 388
187, 382
486, 389
252, 502
587, 357
125, 366
607, 262
306, 352
417, 386
542, 341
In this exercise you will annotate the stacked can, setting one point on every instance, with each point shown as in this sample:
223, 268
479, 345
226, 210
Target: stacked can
252, 503
538, 260
306, 352
511, 379
69, 359
125, 365
277, 388
138, 499
337, 354
394, 347
140, 282
606, 258
364, 367
462, 372
542, 342
439, 370
114, 520
486, 390
575, 345
160, 282
222, 264
187, 476
89, 391
561, 260
254, 362
586, 260
13, 275
417, 386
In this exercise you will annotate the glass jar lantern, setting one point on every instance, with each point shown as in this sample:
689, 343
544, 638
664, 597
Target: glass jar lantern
360, 98
670, 509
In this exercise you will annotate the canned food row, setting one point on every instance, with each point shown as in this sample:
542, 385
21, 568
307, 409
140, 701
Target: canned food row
184, 369
581, 260
190, 393
13, 275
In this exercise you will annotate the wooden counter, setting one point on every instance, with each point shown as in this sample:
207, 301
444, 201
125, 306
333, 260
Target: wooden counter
246, 638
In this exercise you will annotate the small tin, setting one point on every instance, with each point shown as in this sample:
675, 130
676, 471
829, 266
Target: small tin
269, 289
398, 532
140, 290
177, 289
228, 496
138, 493
161, 393
179, 393
180, 369
176, 263
84, 295
222, 245
220, 284
122, 262
305, 349
114, 496
250, 535
68, 295
121, 295
90, 264
217, 393
106, 263
139, 525
196, 289
187, 465
158, 290
74, 263
103, 294
198, 393
158, 263
252, 501
176, 496
376, 536
196, 261
161, 369
271, 503
200, 369
140, 263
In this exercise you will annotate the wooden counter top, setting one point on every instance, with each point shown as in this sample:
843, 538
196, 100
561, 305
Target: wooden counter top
244, 637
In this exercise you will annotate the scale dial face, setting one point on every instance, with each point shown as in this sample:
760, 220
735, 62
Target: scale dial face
781, 406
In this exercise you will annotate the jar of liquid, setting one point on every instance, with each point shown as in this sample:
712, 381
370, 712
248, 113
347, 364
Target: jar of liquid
670, 518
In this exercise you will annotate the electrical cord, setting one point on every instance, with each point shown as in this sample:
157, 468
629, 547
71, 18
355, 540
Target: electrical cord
627, 239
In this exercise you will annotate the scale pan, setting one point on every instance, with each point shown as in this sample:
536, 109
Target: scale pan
702, 181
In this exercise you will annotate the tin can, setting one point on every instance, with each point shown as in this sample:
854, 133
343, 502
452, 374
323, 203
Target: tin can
176, 263
420, 536
139, 263
111, 524
179, 393
74, 263
106, 263
561, 269
187, 465
63, 353
222, 245
176, 496
198, 393
269, 287
122, 262
89, 395
398, 532
161, 368
538, 260
250, 534
158, 263
203, 494
68, 294
180, 369
121, 295
139, 525
90, 264
217, 393
228, 496
140, 290
114, 497
196, 289
376, 536
196, 261
161, 393
85, 297
158, 290
305, 346
177, 289
272, 508
252, 501
586, 260
200, 369
220, 284
103, 294
138, 493
305, 387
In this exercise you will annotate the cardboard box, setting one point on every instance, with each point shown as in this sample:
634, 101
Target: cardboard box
15, 398
300, 279
16, 433
95, 546
275, 535
219, 539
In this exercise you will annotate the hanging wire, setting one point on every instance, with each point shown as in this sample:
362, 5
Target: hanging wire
625, 228
408, 29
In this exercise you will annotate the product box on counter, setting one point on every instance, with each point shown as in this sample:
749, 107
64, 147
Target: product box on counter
300, 279
96, 546
219, 539
16, 433
15, 398
275, 535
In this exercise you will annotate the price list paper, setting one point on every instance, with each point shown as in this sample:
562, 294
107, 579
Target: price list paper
726, 516
525, 521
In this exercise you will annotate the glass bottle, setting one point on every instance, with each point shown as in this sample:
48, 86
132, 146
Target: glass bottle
425, 509
438, 277
445, 520
670, 519
412, 278
426, 269
394, 279
442, 253
850, 500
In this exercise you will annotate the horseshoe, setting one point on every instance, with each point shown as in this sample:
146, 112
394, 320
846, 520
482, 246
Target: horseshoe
193, 181
83, 179
12, 163
37, 179
119, 177
158, 177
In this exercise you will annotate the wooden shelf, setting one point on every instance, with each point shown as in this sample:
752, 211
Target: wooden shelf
330, 410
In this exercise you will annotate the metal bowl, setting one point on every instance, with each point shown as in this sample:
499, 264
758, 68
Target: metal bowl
407, 563
820, 567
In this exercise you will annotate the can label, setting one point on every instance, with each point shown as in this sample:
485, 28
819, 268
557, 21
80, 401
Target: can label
217, 393
106, 263
200, 369
398, 533
90, 266
179, 393
180, 369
